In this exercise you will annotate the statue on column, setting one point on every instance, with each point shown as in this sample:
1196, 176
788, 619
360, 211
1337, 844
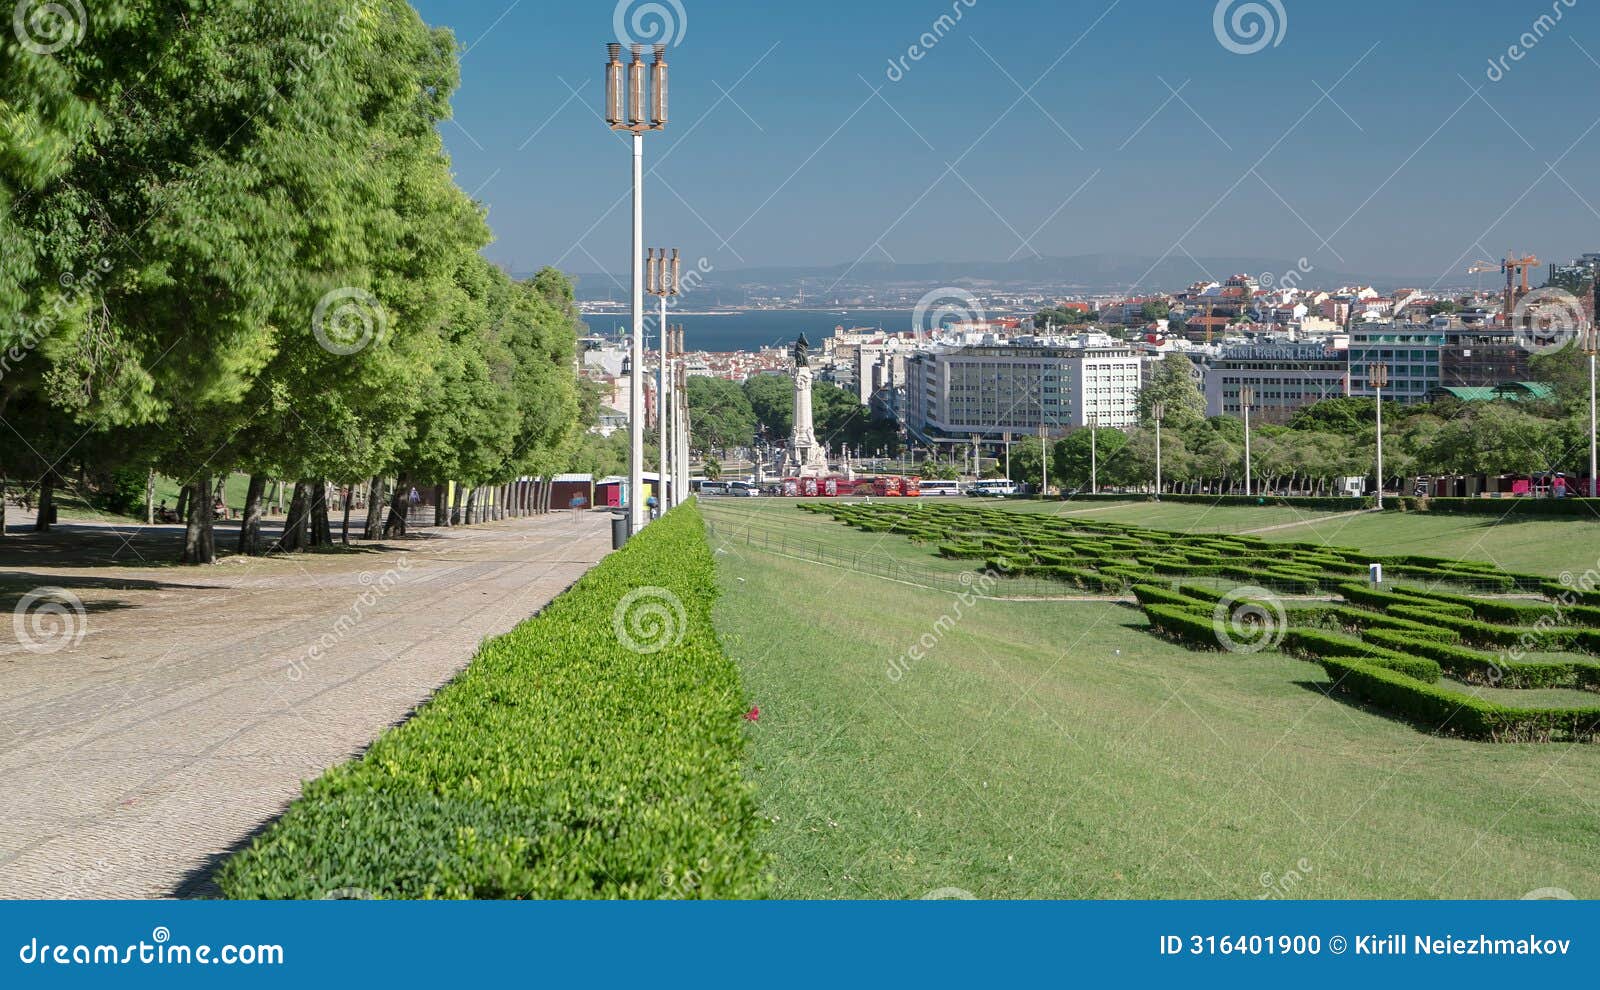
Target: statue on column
806, 458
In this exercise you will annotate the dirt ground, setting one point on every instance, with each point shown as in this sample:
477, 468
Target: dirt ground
154, 716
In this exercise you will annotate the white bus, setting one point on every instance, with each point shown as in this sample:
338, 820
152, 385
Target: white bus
994, 486
934, 487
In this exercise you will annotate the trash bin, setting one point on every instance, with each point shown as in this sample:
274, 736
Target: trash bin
619, 529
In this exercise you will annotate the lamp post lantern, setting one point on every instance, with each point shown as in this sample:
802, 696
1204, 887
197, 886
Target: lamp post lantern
1247, 398
1158, 411
626, 111
1378, 375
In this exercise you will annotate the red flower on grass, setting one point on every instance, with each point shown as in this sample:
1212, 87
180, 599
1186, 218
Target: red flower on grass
754, 714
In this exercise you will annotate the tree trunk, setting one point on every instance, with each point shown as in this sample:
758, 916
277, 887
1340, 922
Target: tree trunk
399, 504
47, 502
182, 508
344, 529
374, 527
441, 511
149, 500
293, 538
470, 507
321, 532
250, 525
5, 491
199, 539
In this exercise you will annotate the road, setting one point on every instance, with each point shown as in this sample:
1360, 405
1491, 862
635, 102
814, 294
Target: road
144, 736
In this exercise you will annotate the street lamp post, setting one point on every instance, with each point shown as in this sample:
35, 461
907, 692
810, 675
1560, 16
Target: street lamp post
662, 281
1378, 375
1094, 455
1247, 398
626, 111
1158, 411
1590, 339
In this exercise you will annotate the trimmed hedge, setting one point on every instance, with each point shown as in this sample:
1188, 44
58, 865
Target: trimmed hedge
559, 764
1514, 613
1361, 594
1476, 633
1516, 506
1183, 625
1303, 502
1315, 644
1475, 667
1448, 713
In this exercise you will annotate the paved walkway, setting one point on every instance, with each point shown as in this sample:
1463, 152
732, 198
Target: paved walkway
195, 703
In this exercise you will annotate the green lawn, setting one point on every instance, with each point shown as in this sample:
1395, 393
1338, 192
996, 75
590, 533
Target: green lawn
1050, 749
1539, 546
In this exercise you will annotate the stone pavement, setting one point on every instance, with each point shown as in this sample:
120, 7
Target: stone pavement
198, 699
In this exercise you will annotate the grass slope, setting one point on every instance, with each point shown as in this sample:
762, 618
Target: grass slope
1050, 749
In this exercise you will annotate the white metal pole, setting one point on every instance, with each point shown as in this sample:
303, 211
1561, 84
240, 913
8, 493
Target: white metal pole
1379, 391
1592, 493
661, 409
1158, 457
636, 350
1247, 449
1094, 459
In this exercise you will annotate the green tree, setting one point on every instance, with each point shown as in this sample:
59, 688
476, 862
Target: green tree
1173, 383
719, 414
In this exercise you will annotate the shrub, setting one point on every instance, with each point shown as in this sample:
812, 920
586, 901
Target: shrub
1361, 594
1457, 714
1487, 668
1184, 625
1479, 633
1314, 644
559, 764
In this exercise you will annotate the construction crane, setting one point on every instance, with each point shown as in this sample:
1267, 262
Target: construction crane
1512, 266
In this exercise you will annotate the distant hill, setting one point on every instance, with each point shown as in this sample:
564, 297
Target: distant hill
1088, 273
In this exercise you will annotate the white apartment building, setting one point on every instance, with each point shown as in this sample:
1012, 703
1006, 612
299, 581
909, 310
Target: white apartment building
991, 391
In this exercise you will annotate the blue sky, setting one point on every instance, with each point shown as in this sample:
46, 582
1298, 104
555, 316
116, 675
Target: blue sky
1369, 138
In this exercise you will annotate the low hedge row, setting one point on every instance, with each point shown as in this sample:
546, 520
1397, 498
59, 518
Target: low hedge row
1516, 506
559, 764
1303, 502
1181, 624
1457, 714
1477, 633
1487, 668
1515, 613
1361, 594
1315, 644
1363, 620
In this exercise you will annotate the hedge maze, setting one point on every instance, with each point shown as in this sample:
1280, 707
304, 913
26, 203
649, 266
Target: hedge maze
1405, 648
